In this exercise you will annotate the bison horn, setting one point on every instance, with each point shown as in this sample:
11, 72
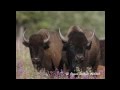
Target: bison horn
90, 39
77, 28
47, 39
62, 37
24, 37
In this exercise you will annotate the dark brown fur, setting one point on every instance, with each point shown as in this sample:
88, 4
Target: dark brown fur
102, 49
76, 41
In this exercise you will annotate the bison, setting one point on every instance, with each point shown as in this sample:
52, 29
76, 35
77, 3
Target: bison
82, 49
101, 66
45, 49
102, 49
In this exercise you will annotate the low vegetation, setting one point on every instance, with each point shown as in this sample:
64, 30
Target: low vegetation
34, 21
25, 69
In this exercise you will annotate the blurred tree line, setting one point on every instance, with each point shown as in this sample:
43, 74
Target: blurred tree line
35, 20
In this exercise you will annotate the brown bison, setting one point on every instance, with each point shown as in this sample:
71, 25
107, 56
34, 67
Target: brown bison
45, 49
102, 49
82, 49
101, 66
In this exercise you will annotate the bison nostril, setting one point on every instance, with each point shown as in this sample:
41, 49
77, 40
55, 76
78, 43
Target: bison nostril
79, 57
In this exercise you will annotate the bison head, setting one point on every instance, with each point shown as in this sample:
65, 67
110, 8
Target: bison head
36, 44
76, 45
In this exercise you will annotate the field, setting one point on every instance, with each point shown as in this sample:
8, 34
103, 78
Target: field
33, 21
25, 69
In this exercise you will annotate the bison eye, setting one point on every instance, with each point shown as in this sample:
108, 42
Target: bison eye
70, 45
45, 46
65, 46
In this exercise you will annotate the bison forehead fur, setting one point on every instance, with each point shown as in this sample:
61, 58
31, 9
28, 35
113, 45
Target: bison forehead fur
77, 38
36, 40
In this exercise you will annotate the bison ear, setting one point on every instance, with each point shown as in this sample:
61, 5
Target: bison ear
65, 45
26, 44
89, 45
46, 45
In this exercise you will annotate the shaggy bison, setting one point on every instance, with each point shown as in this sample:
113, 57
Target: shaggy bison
82, 48
102, 49
45, 49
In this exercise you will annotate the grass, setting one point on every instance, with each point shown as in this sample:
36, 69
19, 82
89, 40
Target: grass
25, 69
